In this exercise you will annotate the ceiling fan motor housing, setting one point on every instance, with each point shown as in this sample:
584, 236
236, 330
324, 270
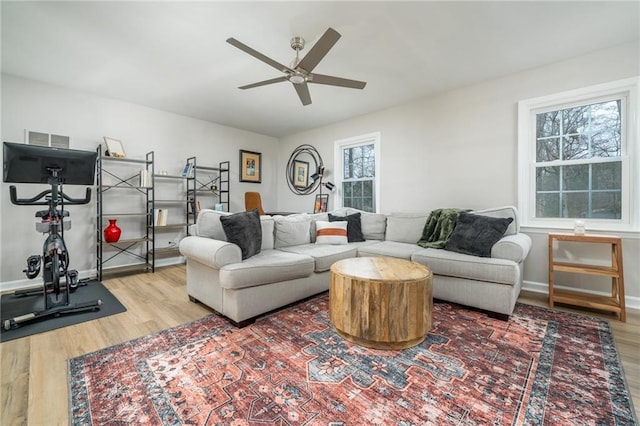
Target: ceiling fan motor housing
297, 43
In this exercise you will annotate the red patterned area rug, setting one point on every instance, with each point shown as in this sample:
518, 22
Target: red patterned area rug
291, 368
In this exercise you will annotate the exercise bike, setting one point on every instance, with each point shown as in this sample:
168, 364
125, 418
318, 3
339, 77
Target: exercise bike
58, 280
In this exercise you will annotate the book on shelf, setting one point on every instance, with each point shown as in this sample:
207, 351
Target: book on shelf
160, 217
145, 178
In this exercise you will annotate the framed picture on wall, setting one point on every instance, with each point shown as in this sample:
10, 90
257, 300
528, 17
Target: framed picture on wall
250, 166
320, 206
300, 174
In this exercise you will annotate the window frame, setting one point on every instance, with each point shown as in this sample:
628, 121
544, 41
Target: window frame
627, 91
339, 146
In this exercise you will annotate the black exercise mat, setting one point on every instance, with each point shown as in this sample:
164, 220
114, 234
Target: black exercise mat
12, 306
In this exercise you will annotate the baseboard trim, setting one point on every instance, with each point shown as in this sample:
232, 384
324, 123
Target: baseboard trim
10, 286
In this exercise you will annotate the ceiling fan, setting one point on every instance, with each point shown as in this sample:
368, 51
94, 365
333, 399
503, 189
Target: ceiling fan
299, 73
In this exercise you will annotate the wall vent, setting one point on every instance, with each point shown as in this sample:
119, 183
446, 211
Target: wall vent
46, 139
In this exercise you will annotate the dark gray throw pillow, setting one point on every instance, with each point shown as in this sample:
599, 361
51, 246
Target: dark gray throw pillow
244, 230
476, 234
354, 226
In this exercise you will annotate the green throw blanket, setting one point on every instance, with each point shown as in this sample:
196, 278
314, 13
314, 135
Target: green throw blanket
439, 227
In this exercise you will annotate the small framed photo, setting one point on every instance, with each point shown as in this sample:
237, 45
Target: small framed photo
320, 206
187, 169
300, 174
250, 166
114, 147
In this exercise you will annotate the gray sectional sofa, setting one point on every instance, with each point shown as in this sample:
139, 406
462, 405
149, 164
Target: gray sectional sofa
292, 266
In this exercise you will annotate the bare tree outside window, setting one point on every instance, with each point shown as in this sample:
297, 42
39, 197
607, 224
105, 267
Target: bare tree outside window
358, 189
579, 162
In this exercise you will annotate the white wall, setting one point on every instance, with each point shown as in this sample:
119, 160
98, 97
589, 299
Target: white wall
86, 119
459, 149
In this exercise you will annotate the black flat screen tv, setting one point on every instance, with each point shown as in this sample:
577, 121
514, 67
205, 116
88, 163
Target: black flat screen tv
24, 163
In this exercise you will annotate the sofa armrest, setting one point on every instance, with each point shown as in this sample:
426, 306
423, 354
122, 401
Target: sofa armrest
210, 252
512, 247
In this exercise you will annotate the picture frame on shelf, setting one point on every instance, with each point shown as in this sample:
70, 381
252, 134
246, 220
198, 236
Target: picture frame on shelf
114, 147
187, 170
250, 166
321, 204
300, 174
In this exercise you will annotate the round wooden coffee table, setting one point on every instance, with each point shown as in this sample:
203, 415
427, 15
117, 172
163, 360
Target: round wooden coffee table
381, 302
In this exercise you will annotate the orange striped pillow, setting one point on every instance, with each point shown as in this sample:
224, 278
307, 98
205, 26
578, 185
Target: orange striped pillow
331, 232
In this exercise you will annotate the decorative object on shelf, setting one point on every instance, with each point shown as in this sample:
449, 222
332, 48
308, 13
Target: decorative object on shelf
320, 206
250, 166
304, 154
579, 227
145, 178
112, 232
187, 170
301, 174
114, 147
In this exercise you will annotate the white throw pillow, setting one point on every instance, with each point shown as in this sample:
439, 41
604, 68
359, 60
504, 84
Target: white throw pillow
331, 232
292, 230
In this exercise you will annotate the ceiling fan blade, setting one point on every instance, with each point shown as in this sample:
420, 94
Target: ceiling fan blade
336, 81
319, 50
303, 93
264, 83
277, 65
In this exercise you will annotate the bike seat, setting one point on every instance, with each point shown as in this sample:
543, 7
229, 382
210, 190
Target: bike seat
45, 213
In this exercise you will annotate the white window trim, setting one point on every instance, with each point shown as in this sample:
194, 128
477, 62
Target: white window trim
338, 166
630, 218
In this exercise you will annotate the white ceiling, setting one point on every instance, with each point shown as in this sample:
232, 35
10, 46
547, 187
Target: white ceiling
173, 56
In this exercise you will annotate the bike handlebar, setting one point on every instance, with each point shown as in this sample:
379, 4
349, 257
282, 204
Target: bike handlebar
35, 201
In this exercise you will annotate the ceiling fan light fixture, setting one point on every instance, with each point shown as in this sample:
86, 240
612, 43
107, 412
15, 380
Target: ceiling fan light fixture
297, 78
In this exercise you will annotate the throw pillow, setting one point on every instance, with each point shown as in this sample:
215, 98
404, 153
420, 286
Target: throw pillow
475, 234
331, 232
354, 226
244, 230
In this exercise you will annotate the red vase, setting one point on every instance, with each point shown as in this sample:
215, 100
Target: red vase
112, 232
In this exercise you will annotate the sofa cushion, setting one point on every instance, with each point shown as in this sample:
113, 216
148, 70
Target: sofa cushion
374, 226
388, 248
268, 266
331, 232
244, 230
452, 264
405, 227
505, 212
208, 224
324, 255
292, 230
268, 232
354, 226
476, 234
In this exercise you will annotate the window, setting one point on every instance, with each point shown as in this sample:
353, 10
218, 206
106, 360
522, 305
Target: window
358, 172
576, 155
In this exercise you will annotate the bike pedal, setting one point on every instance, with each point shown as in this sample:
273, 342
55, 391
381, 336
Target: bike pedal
72, 280
33, 266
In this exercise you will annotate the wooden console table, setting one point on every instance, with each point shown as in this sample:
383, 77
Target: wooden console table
613, 303
381, 302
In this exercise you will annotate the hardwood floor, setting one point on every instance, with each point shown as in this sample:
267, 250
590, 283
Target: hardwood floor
34, 369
